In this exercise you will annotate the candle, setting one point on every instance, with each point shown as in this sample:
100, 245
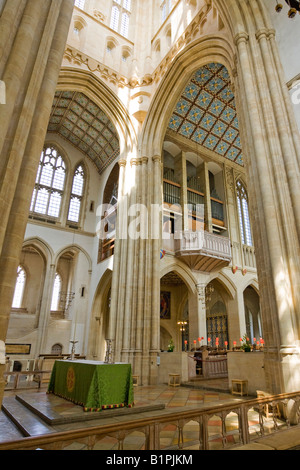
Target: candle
254, 340
226, 344
208, 340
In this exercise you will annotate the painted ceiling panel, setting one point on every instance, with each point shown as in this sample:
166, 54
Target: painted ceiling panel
86, 126
206, 113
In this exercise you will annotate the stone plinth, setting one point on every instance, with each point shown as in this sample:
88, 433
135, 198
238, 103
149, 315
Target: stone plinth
247, 366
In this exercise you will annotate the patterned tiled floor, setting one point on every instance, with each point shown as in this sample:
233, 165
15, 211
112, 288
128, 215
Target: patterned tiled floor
172, 398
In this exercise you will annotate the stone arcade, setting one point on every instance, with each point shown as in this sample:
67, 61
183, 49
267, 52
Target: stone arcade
125, 117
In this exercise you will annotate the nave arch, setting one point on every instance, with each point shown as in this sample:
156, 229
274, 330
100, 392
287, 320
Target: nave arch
100, 317
73, 79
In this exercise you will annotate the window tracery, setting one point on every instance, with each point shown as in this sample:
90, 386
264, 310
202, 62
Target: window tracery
120, 16
76, 195
50, 183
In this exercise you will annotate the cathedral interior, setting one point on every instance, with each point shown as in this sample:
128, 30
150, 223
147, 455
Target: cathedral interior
149, 193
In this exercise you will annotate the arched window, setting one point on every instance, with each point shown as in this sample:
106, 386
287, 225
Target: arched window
19, 288
57, 349
242, 202
49, 185
76, 195
56, 293
120, 16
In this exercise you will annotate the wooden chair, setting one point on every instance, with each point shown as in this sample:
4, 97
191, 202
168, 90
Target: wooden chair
267, 406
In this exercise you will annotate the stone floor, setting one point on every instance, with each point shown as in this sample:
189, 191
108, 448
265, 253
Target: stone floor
62, 415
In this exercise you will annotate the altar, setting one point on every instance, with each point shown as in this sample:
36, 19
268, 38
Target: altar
94, 385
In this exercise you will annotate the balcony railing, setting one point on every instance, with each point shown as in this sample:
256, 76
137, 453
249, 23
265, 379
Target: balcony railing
203, 251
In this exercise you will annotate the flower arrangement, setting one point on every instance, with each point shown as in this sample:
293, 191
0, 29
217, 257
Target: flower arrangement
171, 345
246, 345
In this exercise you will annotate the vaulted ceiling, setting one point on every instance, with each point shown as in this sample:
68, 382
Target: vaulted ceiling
206, 113
79, 120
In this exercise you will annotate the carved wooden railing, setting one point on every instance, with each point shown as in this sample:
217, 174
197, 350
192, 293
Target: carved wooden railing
152, 427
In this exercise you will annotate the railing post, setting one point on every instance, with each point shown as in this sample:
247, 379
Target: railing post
244, 424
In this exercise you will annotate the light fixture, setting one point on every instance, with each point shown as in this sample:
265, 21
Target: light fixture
65, 300
294, 7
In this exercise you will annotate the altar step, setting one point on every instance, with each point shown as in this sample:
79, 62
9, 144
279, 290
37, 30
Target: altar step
26, 422
35, 414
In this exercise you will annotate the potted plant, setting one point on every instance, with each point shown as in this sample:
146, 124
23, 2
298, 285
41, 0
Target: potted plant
171, 345
246, 345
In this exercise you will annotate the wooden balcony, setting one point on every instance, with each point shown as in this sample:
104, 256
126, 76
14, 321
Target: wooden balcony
203, 251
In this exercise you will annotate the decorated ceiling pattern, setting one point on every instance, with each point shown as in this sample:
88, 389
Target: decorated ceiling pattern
206, 113
79, 120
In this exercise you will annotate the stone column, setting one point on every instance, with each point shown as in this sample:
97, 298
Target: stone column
202, 171
121, 231
275, 205
155, 281
181, 174
34, 37
201, 308
45, 309
140, 325
131, 262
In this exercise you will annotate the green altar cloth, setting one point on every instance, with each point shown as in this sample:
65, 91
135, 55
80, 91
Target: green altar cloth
95, 386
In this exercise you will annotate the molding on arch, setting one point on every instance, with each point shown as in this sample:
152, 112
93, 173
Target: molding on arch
211, 48
76, 248
43, 247
251, 283
183, 272
227, 283
102, 286
74, 79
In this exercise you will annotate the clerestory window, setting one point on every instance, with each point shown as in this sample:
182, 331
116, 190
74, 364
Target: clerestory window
120, 16
50, 183
76, 195
166, 7
243, 210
